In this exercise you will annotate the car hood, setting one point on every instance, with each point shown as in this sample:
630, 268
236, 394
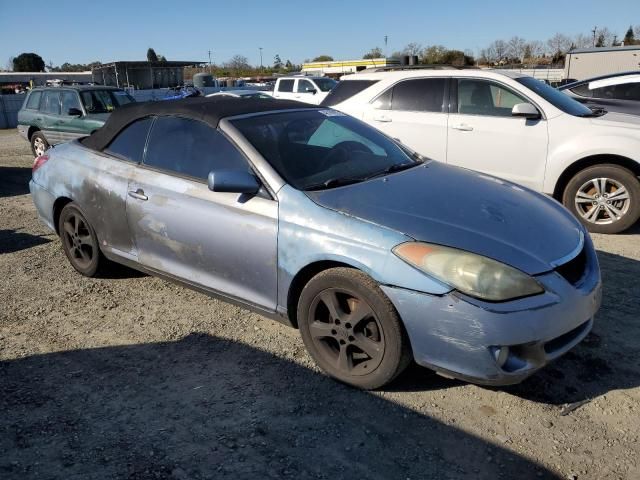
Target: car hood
614, 119
459, 208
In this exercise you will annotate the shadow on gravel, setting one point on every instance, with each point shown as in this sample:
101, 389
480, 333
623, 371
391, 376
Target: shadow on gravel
608, 358
12, 241
14, 181
205, 407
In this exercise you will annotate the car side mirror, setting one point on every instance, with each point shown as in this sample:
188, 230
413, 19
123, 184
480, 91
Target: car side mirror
233, 181
74, 112
313, 91
525, 110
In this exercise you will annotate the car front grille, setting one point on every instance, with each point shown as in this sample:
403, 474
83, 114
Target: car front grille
574, 269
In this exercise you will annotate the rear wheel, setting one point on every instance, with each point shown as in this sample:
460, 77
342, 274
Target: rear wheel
39, 144
351, 329
605, 198
79, 241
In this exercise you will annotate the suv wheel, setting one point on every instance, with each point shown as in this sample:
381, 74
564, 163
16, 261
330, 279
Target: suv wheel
351, 329
605, 198
39, 144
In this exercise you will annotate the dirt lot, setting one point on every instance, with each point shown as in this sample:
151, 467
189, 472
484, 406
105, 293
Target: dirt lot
133, 377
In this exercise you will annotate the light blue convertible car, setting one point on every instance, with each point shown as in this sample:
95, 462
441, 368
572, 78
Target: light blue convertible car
311, 217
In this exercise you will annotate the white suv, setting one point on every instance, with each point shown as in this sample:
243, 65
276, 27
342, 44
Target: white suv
511, 126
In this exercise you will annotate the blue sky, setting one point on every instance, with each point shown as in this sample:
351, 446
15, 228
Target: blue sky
80, 32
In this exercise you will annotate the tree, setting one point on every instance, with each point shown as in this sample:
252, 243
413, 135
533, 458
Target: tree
375, 52
323, 58
582, 41
28, 62
412, 48
162, 59
288, 65
604, 36
516, 48
238, 64
151, 55
433, 55
499, 50
600, 42
559, 45
277, 62
629, 37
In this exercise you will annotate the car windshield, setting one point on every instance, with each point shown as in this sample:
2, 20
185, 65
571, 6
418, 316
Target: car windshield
104, 101
318, 149
556, 98
325, 84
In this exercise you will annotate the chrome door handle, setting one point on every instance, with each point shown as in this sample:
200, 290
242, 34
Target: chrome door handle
138, 194
462, 127
382, 118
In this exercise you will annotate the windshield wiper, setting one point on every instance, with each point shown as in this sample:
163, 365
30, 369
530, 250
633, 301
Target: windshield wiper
595, 112
396, 167
334, 182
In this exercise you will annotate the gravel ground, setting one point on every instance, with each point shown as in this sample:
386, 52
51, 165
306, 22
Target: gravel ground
133, 377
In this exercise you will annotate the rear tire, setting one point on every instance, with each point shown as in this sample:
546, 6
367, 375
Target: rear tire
605, 198
351, 329
39, 144
79, 241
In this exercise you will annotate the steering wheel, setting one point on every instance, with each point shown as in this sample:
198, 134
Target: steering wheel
342, 151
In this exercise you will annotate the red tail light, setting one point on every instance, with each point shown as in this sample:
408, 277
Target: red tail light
41, 160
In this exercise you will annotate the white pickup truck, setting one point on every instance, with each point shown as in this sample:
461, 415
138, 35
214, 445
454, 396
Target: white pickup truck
303, 88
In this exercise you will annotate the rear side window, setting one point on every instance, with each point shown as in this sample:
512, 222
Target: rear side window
130, 142
346, 89
51, 102
285, 86
34, 100
191, 148
69, 100
419, 95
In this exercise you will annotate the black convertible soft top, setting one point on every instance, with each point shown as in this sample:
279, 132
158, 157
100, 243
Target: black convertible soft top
209, 110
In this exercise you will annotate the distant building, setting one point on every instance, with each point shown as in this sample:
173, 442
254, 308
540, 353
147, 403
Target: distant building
337, 68
592, 62
141, 75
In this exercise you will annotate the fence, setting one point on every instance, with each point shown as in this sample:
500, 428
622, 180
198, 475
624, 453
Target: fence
9, 106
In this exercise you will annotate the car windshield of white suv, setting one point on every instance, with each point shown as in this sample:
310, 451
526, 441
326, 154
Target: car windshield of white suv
104, 101
558, 99
319, 149
325, 84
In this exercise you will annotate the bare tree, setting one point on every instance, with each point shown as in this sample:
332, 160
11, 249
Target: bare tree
237, 64
375, 52
516, 48
582, 41
412, 48
605, 37
500, 49
559, 44
536, 47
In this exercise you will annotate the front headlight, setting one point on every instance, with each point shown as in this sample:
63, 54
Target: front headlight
472, 274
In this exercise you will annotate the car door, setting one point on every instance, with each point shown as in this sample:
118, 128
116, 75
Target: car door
284, 89
49, 115
305, 91
224, 242
69, 127
414, 112
485, 136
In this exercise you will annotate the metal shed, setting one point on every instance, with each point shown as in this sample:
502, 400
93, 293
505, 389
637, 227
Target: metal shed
592, 62
142, 75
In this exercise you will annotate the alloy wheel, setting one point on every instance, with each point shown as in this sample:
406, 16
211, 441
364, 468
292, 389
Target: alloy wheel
39, 146
346, 332
77, 238
602, 201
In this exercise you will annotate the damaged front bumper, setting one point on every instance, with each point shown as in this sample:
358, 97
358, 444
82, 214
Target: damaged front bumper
499, 343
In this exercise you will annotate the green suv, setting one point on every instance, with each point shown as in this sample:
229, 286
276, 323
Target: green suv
52, 115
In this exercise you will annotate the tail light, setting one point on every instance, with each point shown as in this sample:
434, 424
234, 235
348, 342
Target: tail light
41, 160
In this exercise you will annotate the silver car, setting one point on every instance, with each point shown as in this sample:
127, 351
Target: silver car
315, 219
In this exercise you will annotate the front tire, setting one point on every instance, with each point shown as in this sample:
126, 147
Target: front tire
79, 241
351, 329
605, 198
39, 144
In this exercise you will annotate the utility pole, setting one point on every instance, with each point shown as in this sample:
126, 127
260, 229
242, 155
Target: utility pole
260, 48
386, 39
209, 61
594, 31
